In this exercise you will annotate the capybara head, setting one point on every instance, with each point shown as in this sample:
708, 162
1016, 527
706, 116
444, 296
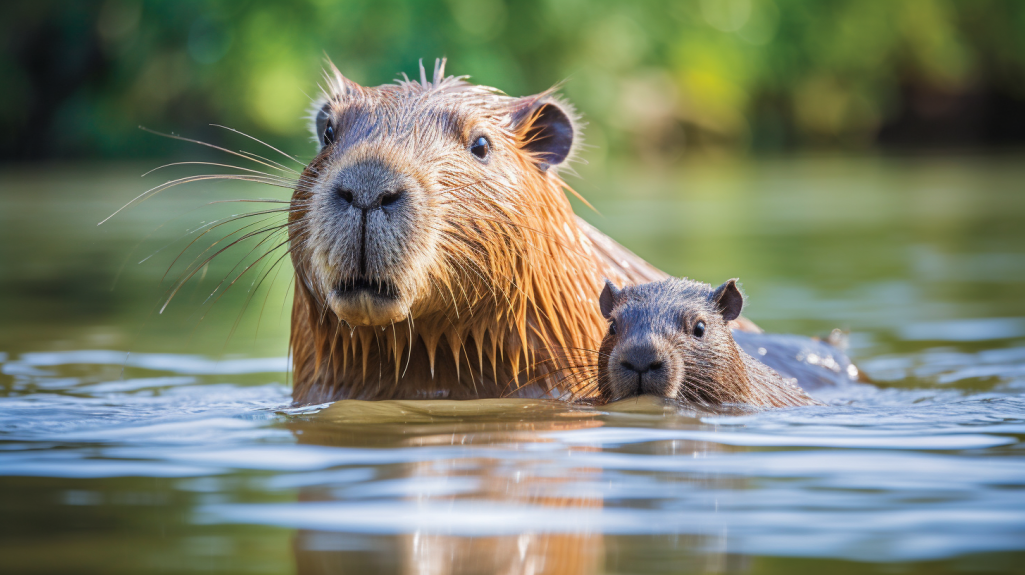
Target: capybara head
414, 202
670, 339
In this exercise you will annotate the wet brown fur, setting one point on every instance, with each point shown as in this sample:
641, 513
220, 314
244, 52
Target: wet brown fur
500, 276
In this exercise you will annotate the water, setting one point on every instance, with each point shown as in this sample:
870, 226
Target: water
133, 441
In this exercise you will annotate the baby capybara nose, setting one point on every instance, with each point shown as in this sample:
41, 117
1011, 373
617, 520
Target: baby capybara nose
641, 358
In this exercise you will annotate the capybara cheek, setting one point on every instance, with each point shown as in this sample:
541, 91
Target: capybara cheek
673, 390
676, 374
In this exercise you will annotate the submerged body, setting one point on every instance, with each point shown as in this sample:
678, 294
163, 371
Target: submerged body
815, 364
672, 339
436, 253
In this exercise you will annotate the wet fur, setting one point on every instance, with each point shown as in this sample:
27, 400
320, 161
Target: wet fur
710, 370
498, 272
500, 275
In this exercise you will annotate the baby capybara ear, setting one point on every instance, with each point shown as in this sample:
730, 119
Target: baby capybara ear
728, 299
547, 128
607, 299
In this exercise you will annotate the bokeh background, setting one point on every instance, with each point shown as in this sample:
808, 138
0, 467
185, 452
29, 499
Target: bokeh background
655, 79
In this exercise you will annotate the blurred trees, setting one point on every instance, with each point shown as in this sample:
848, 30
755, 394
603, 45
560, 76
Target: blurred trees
654, 77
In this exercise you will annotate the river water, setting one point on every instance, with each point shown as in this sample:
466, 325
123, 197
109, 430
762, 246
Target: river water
136, 441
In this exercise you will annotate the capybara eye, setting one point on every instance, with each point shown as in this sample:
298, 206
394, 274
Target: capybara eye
329, 135
481, 148
699, 329
612, 327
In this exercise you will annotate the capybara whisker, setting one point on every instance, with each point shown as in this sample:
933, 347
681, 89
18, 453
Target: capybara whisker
259, 141
209, 145
195, 268
220, 165
270, 236
211, 228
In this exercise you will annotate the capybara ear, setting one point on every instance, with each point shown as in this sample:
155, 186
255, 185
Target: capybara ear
607, 299
728, 299
547, 128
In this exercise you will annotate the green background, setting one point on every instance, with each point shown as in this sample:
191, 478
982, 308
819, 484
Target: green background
654, 79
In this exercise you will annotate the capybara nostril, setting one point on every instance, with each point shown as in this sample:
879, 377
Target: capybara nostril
345, 194
390, 198
641, 368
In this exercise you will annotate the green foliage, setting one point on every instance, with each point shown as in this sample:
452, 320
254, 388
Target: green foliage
648, 75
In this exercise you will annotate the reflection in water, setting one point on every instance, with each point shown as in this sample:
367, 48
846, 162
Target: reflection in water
458, 494
472, 482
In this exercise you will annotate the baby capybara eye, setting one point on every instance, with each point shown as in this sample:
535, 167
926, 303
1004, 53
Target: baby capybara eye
481, 148
329, 135
699, 329
612, 327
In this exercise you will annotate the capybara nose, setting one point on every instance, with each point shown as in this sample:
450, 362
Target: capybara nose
368, 186
369, 201
641, 358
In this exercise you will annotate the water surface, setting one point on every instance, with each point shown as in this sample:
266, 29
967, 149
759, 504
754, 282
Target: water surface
133, 441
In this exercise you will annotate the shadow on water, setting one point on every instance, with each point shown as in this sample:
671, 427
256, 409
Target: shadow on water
185, 456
